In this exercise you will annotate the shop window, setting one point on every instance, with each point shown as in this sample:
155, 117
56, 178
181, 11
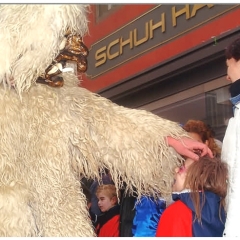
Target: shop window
103, 10
212, 107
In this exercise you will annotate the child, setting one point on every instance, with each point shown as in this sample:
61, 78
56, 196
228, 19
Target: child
199, 193
108, 223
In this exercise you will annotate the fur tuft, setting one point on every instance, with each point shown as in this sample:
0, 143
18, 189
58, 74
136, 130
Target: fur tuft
30, 38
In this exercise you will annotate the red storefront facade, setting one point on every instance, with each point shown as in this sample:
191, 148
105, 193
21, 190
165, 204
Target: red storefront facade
168, 59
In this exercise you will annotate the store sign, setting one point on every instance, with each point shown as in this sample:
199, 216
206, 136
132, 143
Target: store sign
156, 27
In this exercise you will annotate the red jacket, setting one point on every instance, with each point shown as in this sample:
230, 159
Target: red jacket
108, 223
179, 214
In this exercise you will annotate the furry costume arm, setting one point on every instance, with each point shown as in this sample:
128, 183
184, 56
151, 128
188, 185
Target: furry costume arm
129, 142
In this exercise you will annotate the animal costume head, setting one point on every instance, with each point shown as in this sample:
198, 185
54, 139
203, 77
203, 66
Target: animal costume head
51, 136
31, 38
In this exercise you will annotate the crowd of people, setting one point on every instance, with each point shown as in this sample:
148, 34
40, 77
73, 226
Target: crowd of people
197, 209
201, 192
198, 199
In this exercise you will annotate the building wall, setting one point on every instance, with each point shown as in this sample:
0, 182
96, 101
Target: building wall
180, 41
142, 55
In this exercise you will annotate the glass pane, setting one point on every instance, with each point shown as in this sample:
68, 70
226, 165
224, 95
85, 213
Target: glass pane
214, 108
104, 9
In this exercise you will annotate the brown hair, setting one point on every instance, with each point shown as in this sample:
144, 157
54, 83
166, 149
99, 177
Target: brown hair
205, 132
109, 189
207, 174
233, 50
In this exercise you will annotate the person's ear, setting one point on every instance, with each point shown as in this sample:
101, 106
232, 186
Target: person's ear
207, 142
114, 200
89, 205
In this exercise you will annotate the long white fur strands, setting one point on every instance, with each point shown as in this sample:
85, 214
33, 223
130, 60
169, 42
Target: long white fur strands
59, 133
54, 135
30, 39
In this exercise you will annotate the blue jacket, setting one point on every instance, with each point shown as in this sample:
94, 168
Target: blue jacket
147, 215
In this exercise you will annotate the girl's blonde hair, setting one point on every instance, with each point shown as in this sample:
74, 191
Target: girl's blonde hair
109, 189
207, 174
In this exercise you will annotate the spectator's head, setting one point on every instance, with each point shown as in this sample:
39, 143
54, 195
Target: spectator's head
202, 132
233, 50
232, 53
107, 196
206, 174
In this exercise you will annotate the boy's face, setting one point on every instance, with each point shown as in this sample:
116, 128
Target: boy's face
233, 70
180, 176
105, 202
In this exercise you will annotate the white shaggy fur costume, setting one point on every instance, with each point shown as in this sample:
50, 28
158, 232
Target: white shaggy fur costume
49, 136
